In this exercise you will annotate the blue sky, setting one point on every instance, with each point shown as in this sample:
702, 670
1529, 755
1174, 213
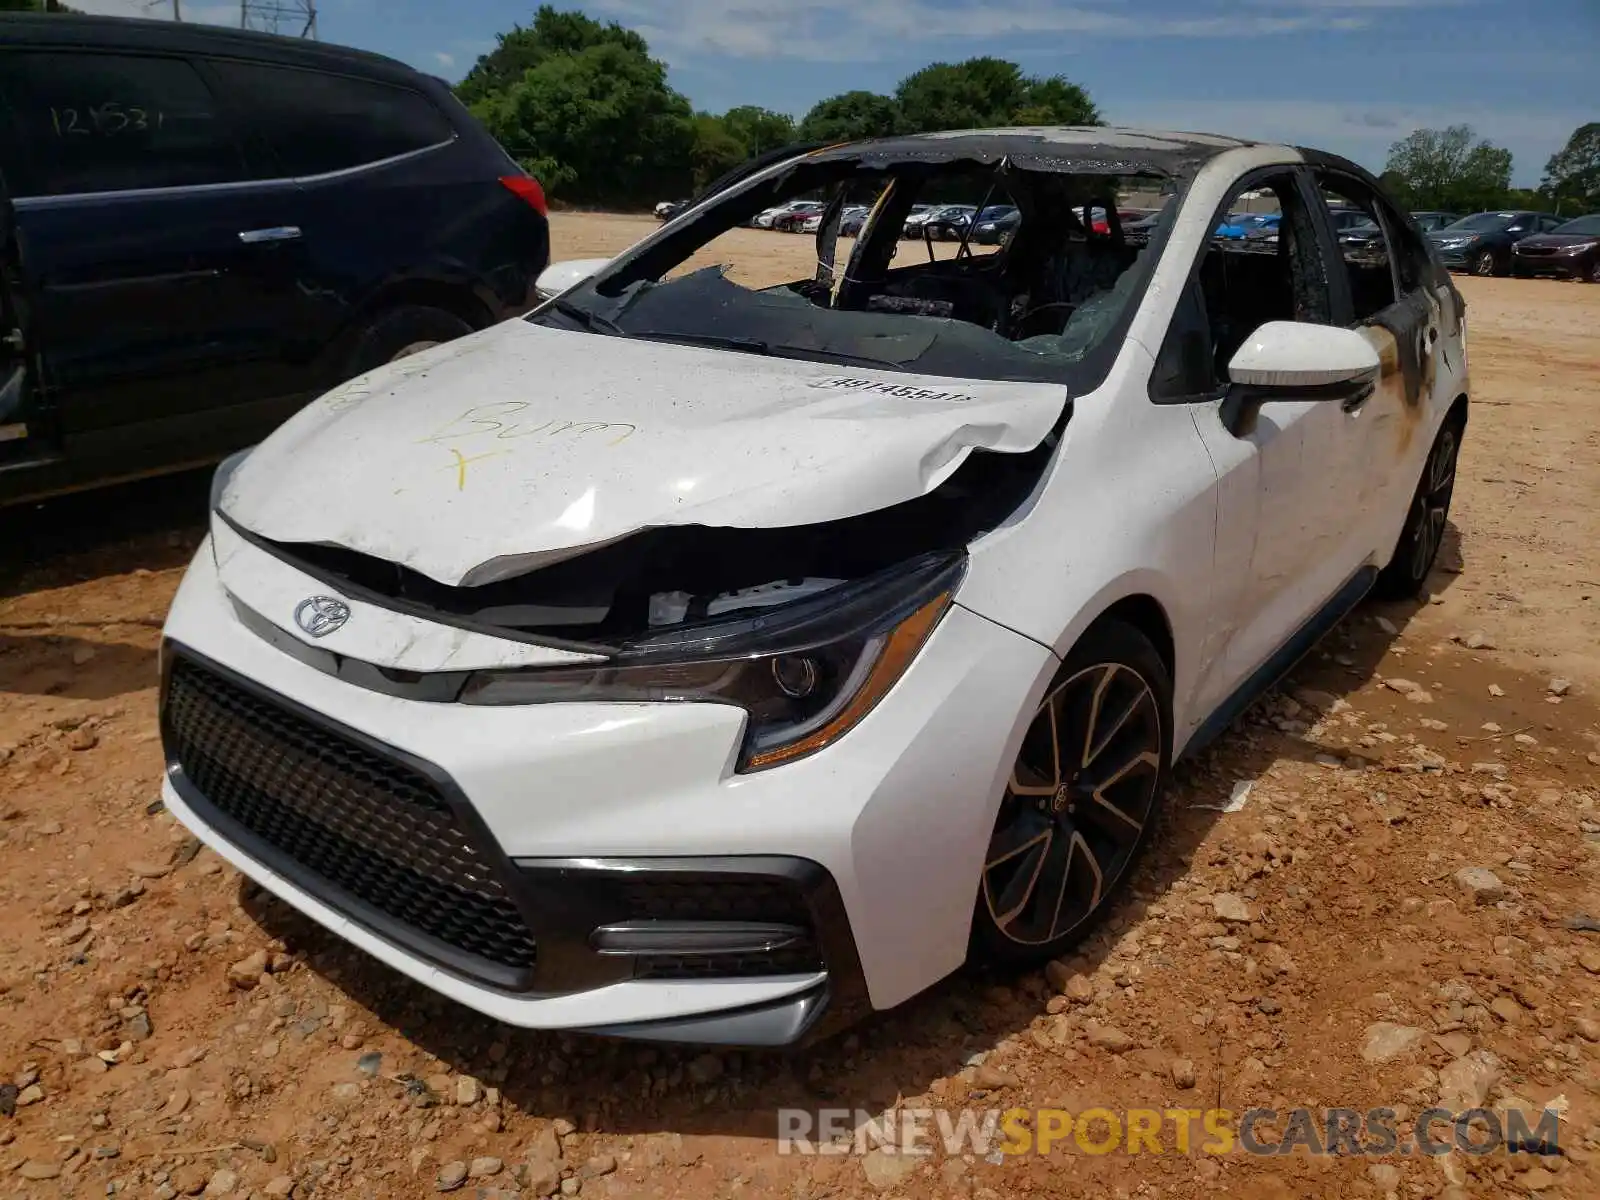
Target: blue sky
1345, 75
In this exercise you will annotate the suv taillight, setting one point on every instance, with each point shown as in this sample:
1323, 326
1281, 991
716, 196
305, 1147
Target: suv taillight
526, 188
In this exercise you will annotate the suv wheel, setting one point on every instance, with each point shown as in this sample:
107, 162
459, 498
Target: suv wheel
399, 332
1483, 263
1081, 799
1423, 533
1593, 273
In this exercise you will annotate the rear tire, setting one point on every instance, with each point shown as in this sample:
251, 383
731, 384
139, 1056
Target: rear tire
1423, 533
400, 332
1081, 800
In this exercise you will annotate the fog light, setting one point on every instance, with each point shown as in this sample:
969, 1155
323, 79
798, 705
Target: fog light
795, 675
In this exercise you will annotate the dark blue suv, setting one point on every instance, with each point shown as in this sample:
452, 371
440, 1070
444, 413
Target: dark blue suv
201, 229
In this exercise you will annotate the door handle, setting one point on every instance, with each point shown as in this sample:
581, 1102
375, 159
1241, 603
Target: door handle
278, 233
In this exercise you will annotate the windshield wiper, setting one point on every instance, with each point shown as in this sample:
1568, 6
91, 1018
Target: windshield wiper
779, 350
589, 320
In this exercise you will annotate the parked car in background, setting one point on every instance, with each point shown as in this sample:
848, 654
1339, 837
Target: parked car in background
1570, 250
1481, 243
993, 231
1428, 220
917, 215
767, 218
1366, 234
1237, 225
947, 223
852, 219
636, 724
201, 229
1263, 228
797, 214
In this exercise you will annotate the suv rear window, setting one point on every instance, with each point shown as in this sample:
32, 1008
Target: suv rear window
316, 122
111, 122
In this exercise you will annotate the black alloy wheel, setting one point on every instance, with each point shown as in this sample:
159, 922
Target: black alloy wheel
1423, 533
1081, 799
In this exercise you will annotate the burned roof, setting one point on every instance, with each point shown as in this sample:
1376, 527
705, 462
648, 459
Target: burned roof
1073, 149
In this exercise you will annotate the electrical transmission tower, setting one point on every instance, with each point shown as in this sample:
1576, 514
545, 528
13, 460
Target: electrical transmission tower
297, 18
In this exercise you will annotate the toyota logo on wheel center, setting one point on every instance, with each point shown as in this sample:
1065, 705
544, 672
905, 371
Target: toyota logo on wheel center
321, 615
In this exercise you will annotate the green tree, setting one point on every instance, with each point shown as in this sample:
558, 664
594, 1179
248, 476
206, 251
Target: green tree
1449, 169
715, 149
986, 93
1573, 172
850, 116
552, 33
596, 126
978, 93
758, 129
1055, 101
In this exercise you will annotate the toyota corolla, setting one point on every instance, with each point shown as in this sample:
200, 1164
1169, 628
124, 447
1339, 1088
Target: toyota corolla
708, 662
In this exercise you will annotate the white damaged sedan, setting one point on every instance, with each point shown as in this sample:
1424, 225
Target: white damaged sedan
709, 663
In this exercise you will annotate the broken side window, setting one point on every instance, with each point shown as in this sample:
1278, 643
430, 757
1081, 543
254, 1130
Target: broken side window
1369, 259
1238, 286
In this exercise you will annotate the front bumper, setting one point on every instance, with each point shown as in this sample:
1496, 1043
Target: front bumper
1458, 258
1557, 266
572, 806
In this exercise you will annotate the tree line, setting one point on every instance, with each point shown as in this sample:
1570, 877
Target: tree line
586, 109
1454, 170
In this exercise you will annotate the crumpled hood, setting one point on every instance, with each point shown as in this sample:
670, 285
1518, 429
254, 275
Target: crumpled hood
515, 447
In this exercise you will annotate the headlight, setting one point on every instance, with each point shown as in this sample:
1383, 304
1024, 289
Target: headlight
806, 673
1455, 243
1576, 248
223, 473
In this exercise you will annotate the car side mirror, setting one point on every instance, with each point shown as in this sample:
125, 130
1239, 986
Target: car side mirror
1298, 360
562, 276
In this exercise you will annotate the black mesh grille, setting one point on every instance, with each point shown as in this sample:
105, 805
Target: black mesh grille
799, 959
722, 899
370, 827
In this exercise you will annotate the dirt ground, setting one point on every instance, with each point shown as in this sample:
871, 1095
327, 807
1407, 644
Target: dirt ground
167, 1030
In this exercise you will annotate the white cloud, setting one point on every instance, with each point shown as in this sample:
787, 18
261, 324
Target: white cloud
447, 61
835, 30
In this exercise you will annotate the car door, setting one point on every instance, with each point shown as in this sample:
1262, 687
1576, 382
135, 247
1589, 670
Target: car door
157, 268
22, 426
1388, 293
1284, 546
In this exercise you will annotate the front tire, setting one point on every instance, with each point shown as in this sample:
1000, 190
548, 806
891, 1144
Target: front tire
1423, 533
401, 332
1592, 275
1080, 802
1483, 263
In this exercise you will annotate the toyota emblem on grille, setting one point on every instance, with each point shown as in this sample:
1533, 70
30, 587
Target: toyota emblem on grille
321, 615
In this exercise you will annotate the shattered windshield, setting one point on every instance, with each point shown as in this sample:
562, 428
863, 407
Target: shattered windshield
935, 297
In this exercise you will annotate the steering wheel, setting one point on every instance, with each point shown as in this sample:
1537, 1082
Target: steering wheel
1022, 322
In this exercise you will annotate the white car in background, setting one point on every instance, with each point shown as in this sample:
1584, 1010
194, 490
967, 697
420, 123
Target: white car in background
701, 662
